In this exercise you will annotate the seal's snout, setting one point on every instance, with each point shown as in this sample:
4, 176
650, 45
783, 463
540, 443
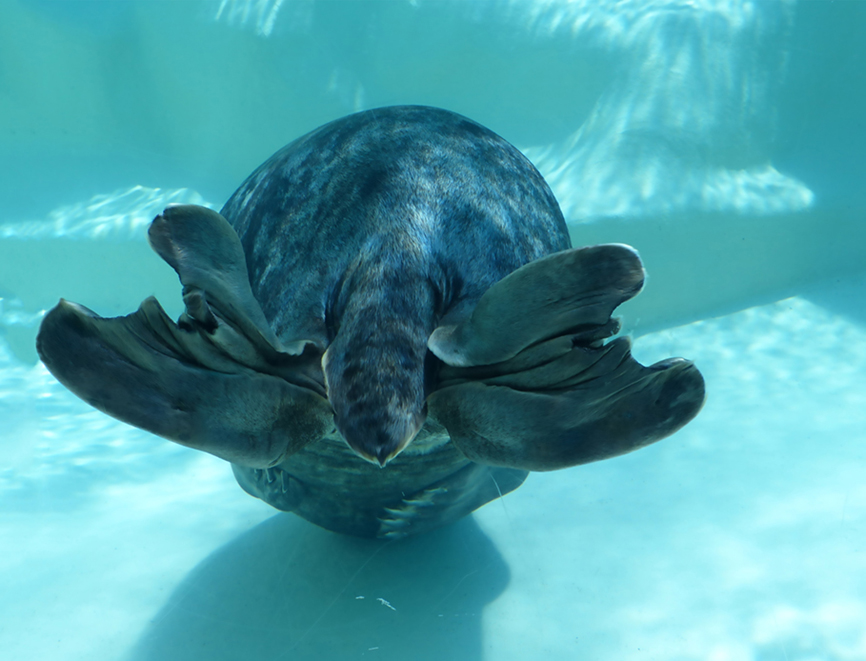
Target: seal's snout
379, 440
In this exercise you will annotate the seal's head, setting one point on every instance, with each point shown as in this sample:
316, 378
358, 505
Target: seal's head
377, 368
377, 413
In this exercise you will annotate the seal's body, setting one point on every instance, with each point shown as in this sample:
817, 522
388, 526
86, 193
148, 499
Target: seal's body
385, 329
363, 236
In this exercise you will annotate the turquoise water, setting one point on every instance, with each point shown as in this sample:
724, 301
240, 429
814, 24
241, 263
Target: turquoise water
724, 140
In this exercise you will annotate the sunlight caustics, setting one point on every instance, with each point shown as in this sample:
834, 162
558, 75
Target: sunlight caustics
687, 122
123, 215
684, 124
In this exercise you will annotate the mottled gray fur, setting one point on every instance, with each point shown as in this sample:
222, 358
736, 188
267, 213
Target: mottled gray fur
362, 235
365, 234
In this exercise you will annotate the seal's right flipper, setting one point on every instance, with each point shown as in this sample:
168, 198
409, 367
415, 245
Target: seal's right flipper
205, 251
144, 370
529, 381
566, 292
586, 404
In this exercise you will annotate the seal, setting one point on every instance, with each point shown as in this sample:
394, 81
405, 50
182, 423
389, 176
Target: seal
385, 328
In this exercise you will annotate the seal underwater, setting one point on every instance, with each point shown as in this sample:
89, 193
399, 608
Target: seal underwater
385, 328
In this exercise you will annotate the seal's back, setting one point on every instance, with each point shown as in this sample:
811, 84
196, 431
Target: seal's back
364, 235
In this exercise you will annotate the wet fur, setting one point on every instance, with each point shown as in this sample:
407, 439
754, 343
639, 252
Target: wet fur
365, 233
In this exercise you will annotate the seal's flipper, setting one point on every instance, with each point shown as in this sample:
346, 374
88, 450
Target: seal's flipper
207, 254
528, 383
448, 500
146, 371
566, 291
586, 405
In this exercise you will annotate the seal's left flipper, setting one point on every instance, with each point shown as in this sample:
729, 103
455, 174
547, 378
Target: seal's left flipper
600, 406
144, 370
218, 381
448, 500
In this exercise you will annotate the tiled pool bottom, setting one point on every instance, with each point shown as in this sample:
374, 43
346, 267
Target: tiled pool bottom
740, 538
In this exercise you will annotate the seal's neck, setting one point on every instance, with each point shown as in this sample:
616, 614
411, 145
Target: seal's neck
377, 367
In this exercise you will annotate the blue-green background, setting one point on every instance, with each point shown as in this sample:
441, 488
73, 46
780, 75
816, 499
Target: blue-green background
723, 139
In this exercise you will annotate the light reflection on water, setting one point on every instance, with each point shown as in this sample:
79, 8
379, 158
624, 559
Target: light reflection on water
122, 215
